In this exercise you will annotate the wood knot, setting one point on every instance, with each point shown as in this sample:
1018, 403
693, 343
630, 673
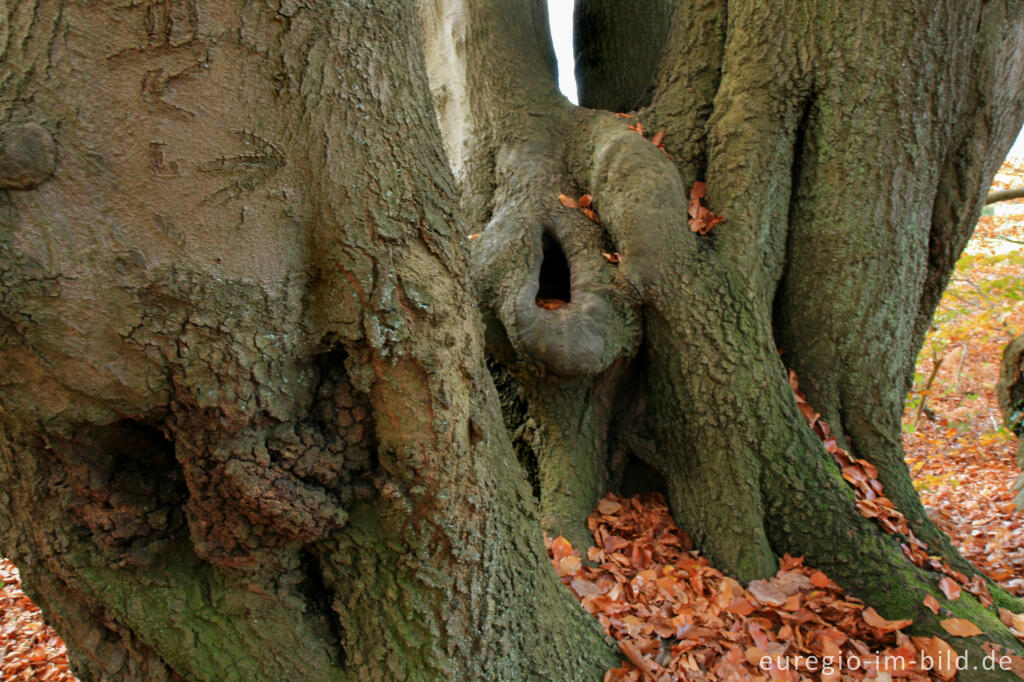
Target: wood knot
28, 156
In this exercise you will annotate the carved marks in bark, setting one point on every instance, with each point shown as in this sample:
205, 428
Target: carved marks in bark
170, 64
251, 169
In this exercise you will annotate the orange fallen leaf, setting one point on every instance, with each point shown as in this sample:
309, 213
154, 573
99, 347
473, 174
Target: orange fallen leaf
701, 218
740, 607
656, 140
473, 236
949, 588
637, 658
872, 618
568, 565
613, 258
567, 201
586, 200
551, 303
560, 548
819, 579
1014, 621
942, 656
932, 603
960, 627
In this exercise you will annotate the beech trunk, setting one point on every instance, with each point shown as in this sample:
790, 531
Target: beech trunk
267, 413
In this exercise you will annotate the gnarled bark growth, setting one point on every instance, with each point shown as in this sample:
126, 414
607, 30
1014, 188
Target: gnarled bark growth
247, 429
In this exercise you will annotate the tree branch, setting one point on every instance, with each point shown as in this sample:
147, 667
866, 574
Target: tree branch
1004, 195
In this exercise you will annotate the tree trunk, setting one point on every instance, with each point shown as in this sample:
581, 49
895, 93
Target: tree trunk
1010, 392
849, 152
248, 431
247, 426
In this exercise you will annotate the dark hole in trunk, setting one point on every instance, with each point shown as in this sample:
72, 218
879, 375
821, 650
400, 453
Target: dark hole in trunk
555, 284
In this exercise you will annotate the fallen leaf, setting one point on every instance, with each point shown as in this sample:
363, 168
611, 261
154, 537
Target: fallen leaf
551, 303
569, 565
567, 201
701, 218
1014, 621
932, 603
942, 656
949, 588
872, 618
960, 627
560, 548
819, 579
637, 658
766, 593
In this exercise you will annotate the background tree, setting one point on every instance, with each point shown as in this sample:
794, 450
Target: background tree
248, 430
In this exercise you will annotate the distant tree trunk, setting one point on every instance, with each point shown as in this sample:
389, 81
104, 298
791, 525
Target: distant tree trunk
1010, 392
247, 430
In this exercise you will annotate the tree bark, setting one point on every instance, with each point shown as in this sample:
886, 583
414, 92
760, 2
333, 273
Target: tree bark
246, 422
617, 49
782, 108
248, 432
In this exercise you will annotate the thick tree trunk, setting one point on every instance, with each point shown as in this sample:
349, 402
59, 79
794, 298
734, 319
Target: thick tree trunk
246, 426
247, 429
849, 152
617, 48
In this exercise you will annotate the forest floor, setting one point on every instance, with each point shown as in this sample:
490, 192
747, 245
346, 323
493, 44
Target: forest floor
649, 590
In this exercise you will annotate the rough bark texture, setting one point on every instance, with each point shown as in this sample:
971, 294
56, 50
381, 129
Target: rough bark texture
617, 48
246, 423
849, 149
247, 428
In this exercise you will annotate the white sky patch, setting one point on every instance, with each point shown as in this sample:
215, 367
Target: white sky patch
560, 19
1017, 151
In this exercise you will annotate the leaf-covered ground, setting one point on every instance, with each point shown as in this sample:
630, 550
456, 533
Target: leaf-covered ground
30, 650
962, 458
676, 617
